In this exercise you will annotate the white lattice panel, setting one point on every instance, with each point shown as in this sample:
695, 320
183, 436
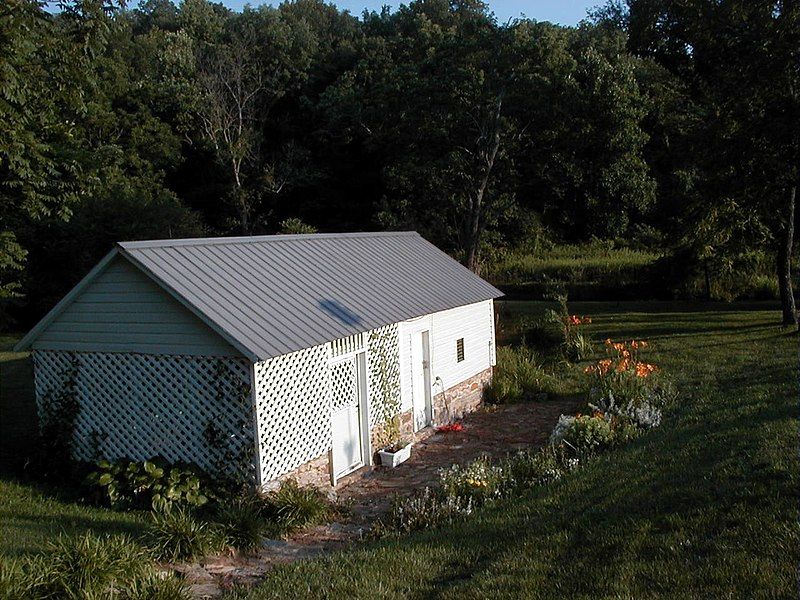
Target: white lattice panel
293, 406
383, 354
142, 405
344, 384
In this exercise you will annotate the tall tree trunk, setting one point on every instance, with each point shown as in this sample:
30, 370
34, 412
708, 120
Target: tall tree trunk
475, 221
785, 264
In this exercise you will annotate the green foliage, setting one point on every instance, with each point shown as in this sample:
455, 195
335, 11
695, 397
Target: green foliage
464, 488
243, 522
575, 345
296, 225
58, 411
14, 584
233, 452
176, 535
585, 434
293, 507
85, 566
424, 510
157, 586
149, 484
88, 567
532, 468
592, 269
387, 395
519, 376
479, 480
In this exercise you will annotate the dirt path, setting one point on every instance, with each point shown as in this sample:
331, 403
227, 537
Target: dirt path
367, 494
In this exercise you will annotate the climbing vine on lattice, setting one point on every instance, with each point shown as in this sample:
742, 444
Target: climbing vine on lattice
232, 450
58, 410
384, 368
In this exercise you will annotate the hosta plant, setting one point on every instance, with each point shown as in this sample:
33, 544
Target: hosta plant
148, 484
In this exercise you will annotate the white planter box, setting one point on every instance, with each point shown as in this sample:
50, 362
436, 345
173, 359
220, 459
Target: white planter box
392, 459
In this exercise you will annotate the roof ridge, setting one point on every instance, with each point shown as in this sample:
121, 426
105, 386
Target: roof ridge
252, 239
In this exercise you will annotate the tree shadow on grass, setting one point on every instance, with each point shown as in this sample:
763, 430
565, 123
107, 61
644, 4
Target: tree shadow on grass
34, 513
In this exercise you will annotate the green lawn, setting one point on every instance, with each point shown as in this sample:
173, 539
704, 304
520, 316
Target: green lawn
704, 507
31, 514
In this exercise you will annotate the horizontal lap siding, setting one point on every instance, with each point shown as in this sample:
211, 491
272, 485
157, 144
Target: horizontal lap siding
123, 310
473, 323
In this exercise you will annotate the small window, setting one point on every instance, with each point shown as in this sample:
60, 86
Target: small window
460, 349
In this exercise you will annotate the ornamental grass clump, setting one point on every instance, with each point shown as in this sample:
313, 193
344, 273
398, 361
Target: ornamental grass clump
177, 535
575, 344
88, 566
243, 523
518, 376
292, 507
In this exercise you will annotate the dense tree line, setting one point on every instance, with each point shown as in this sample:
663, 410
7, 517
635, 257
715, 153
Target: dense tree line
670, 122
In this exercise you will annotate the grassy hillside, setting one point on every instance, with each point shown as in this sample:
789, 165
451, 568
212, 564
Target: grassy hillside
705, 506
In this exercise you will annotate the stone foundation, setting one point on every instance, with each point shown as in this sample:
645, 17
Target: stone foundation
461, 399
316, 473
448, 406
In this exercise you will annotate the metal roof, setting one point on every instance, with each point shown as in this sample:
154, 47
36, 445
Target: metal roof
271, 295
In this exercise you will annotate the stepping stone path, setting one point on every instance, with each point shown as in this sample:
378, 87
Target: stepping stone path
367, 494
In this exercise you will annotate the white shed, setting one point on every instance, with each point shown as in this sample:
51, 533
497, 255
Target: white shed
277, 355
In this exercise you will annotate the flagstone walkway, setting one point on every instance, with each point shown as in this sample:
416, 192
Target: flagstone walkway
367, 494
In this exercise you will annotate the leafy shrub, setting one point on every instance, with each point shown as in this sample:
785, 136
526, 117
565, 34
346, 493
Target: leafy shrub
176, 535
294, 225
643, 414
243, 523
424, 510
518, 376
293, 507
585, 434
479, 481
130, 484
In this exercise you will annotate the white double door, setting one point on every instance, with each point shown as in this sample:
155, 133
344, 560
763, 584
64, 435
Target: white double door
348, 414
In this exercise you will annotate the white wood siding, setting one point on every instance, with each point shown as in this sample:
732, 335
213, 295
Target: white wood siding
474, 323
123, 310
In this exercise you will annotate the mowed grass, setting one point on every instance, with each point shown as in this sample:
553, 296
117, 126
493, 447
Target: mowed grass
34, 513
704, 507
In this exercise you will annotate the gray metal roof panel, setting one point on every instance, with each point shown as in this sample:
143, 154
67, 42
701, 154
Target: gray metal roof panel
279, 294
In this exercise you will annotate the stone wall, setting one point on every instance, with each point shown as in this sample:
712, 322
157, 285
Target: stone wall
461, 399
453, 404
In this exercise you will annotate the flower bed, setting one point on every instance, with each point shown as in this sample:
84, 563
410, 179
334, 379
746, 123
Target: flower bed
626, 398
